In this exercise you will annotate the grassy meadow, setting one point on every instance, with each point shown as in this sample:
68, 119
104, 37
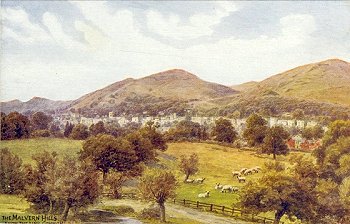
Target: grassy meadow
26, 148
216, 164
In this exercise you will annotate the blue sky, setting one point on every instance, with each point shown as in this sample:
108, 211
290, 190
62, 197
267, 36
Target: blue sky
62, 50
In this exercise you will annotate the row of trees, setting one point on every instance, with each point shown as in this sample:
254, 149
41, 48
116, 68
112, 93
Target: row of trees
56, 184
312, 192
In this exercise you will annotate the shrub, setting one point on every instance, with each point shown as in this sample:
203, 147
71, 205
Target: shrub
40, 133
149, 213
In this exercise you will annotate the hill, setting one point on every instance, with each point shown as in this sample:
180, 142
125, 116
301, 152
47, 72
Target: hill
327, 81
171, 90
34, 104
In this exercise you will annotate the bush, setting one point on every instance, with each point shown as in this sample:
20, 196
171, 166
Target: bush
40, 133
123, 210
149, 213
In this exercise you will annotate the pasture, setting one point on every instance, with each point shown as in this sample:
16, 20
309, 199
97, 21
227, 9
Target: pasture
216, 164
26, 148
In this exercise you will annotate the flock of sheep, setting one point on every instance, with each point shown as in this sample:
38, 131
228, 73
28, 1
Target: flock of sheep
240, 175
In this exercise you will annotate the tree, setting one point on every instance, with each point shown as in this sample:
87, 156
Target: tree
158, 186
187, 130
255, 130
68, 129
11, 173
298, 114
40, 121
79, 132
14, 126
280, 192
313, 132
156, 138
97, 128
275, 141
61, 182
142, 146
107, 152
224, 131
189, 166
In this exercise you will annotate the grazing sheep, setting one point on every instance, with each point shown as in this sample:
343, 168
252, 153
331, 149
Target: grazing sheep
189, 181
241, 179
228, 188
256, 169
236, 173
242, 170
218, 186
248, 172
204, 195
199, 180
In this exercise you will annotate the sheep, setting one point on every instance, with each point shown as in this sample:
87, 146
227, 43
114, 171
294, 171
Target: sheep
256, 169
236, 173
199, 180
228, 188
189, 181
241, 179
248, 172
218, 186
242, 170
204, 195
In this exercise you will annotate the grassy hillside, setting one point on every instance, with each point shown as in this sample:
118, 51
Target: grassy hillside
26, 148
327, 81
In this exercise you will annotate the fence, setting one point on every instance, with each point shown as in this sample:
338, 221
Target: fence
233, 212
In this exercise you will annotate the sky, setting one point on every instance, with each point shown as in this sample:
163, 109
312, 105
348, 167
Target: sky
62, 50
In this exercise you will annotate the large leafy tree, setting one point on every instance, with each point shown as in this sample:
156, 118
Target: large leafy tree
187, 130
40, 121
11, 173
157, 139
97, 128
256, 130
14, 126
79, 132
107, 152
280, 192
158, 186
223, 131
142, 146
275, 141
189, 165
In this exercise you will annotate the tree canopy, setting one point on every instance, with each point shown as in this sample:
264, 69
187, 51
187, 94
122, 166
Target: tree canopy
275, 141
255, 130
189, 165
223, 131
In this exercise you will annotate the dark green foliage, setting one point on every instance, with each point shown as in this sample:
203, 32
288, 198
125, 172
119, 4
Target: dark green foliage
97, 128
107, 152
187, 130
79, 132
40, 121
11, 173
313, 132
14, 126
157, 139
275, 141
68, 129
223, 131
142, 146
256, 130
40, 133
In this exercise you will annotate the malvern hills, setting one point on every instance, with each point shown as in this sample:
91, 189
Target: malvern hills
318, 88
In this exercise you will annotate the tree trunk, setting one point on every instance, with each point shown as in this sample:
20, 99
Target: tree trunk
104, 177
278, 216
274, 156
50, 209
186, 177
162, 211
65, 211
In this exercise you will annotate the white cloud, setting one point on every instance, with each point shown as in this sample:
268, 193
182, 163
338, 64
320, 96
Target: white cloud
26, 31
55, 28
199, 25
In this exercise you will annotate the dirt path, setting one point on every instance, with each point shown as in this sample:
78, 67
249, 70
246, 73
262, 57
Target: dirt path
200, 216
173, 210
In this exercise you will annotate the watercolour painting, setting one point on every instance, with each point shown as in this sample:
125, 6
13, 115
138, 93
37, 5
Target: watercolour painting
180, 112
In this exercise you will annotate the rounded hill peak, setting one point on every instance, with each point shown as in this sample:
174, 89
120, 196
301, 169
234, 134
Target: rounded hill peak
173, 74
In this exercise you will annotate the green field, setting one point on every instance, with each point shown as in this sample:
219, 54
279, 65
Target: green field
216, 164
26, 148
